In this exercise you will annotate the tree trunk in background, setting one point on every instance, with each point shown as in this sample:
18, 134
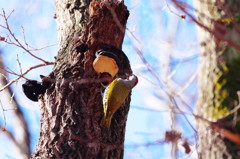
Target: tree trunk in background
219, 76
71, 109
21, 138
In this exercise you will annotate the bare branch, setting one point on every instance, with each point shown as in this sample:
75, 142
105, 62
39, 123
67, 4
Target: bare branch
8, 15
4, 117
213, 32
27, 71
181, 16
37, 49
11, 72
24, 37
17, 42
20, 67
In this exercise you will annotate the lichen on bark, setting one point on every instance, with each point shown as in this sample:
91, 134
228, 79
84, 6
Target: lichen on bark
218, 75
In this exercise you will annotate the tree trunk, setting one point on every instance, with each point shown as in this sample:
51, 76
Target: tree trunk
71, 109
219, 77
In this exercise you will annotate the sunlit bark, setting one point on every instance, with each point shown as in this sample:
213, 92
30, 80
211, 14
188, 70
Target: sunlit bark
71, 109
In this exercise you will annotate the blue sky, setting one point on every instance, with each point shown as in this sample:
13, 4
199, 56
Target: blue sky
165, 40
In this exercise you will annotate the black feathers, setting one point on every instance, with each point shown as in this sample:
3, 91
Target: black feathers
32, 89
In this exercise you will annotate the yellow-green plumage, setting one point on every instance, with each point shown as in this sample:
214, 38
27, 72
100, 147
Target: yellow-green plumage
114, 95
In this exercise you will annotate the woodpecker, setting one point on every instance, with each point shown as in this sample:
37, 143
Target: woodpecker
114, 95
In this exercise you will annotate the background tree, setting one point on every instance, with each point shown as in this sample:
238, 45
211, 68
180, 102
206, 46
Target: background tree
219, 78
22, 142
160, 52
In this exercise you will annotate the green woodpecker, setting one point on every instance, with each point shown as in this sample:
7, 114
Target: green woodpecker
114, 95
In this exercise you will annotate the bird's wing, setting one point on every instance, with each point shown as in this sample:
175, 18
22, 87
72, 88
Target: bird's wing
118, 93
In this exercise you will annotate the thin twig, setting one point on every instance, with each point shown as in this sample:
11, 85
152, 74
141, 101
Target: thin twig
162, 84
169, 8
8, 15
13, 73
18, 43
37, 49
216, 34
234, 110
19, 64
3, 26
21, 76
13, 92
24, 37
1, 74
4, 117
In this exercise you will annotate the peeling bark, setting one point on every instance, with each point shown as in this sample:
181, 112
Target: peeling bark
71, 109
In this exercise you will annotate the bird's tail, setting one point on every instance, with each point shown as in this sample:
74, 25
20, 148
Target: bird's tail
106, 121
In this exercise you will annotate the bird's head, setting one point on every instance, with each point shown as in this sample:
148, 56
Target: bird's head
134, 79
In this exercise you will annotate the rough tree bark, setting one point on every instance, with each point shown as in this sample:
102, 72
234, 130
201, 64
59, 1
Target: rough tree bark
71, 109
219, 76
